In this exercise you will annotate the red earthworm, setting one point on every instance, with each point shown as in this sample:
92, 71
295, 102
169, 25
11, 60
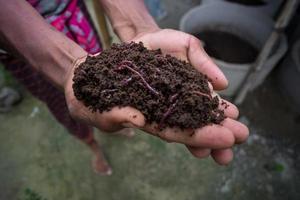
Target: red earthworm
122, 66
167, 113
201, 94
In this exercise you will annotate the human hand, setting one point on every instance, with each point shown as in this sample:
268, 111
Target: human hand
214, 140
112, 121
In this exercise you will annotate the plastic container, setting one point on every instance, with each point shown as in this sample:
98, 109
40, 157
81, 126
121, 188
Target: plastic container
269, 7
235, 20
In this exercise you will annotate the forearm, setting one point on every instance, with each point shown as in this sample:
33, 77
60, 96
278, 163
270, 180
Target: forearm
26, 33
129, 18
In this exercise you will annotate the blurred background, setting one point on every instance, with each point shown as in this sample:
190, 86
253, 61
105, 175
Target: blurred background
257, 45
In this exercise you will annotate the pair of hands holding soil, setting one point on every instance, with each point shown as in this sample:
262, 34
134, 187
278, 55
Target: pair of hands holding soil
215, 140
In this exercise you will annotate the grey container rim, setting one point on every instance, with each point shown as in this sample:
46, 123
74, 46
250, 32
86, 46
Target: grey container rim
235, 66
270, 7
185, 16
246, 11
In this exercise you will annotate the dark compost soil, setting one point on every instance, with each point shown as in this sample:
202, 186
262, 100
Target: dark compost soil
166, 90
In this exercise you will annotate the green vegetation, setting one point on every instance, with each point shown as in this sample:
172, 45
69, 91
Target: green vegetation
32, 195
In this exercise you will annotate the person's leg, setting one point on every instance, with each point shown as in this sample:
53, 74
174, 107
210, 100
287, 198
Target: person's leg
57, 106
55, 101
99, 163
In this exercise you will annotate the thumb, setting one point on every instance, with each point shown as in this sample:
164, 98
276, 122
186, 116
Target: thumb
132, 118
124, 117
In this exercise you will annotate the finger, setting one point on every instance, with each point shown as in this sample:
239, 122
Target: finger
199, 152
96, 54
78, 61
118, 118
239, 130
211, 136
222, 156
230, 110
211, 88
203, 63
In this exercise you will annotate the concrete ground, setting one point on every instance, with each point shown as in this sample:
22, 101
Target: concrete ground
39, 158
38, 154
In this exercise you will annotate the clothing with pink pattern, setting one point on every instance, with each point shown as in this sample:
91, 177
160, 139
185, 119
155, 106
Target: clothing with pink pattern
71, 18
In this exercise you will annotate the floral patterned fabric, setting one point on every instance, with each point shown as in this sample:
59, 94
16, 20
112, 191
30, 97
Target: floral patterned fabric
69, 17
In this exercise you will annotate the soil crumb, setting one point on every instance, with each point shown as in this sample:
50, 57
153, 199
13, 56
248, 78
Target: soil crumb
168, 91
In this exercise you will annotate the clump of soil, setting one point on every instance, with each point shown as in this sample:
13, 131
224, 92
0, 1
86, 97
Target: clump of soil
166, 90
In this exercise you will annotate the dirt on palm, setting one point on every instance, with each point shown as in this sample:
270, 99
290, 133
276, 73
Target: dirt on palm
168, 91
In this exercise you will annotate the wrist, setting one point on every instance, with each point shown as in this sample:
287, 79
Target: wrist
129, 18
58, 61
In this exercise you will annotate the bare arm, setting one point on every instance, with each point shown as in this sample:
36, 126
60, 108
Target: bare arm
24, 32
129, 18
